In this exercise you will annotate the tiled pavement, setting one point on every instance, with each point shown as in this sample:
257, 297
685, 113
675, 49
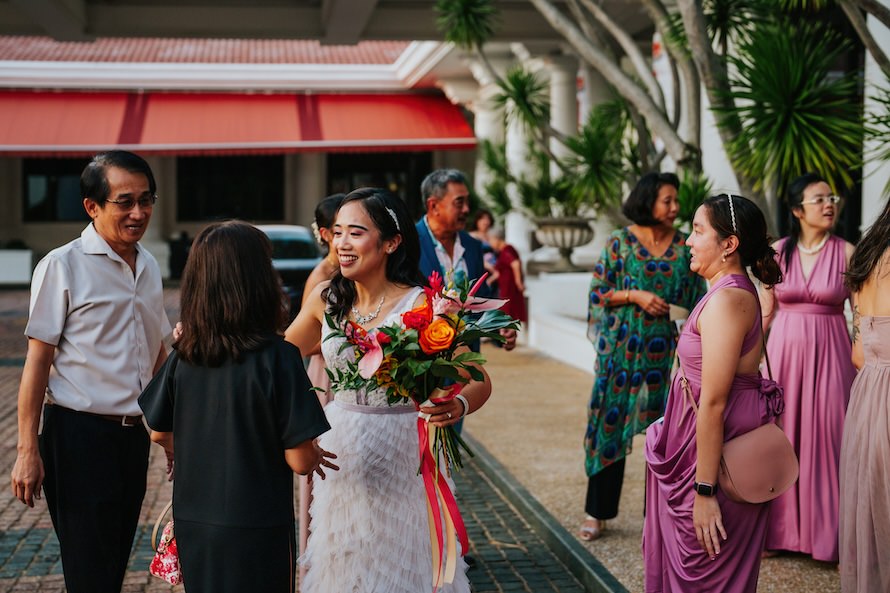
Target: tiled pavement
510, 555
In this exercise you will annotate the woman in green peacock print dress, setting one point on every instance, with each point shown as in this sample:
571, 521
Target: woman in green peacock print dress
644, 268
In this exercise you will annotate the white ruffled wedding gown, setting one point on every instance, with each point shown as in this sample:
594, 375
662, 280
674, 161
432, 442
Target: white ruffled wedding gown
370, 532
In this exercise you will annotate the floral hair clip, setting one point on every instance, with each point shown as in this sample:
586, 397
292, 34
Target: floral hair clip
316, 233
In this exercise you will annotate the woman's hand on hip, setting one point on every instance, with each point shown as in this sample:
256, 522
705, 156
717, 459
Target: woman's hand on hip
650, 302
708, 522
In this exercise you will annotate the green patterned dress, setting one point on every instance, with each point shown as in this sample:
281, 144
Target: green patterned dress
634, 350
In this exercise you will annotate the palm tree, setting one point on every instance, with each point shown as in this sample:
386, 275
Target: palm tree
797, 114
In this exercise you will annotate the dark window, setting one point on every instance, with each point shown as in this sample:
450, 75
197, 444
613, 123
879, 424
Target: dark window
246, 187
399, 172
51, 190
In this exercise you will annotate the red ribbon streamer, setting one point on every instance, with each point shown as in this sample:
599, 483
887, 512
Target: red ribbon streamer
437, 488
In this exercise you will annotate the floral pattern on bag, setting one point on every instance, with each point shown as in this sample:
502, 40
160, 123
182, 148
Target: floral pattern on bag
165, 564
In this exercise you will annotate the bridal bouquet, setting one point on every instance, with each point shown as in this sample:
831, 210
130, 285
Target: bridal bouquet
417, 359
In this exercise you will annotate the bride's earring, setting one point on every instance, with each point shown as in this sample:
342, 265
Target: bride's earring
723, 259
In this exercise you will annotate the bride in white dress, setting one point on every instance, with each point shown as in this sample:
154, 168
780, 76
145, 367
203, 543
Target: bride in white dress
370, 531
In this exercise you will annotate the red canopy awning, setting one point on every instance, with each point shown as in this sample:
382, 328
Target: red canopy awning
72, 123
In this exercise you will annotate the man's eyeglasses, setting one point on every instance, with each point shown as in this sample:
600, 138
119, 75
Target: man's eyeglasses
128, 204
822, 200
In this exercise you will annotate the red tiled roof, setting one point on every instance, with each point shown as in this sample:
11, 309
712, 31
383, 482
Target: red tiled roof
199, 51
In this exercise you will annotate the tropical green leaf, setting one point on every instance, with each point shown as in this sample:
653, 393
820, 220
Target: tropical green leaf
730, 21
494, 194
811, 5
445, 371
525, 98
695, 188
469, 358
797, 113
599, 162
466, 23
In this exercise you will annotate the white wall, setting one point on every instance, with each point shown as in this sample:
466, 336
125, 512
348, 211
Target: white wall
876, 175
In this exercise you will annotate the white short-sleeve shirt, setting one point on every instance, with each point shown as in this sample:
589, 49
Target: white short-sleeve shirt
106, 323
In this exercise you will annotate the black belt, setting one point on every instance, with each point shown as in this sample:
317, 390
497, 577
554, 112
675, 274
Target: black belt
127, 421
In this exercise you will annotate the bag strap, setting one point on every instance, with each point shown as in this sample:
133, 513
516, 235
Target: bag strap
156, 528
769, 369
684, 382
684, 385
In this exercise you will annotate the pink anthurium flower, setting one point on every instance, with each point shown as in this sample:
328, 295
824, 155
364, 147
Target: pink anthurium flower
372, 357
477, 285
477, 304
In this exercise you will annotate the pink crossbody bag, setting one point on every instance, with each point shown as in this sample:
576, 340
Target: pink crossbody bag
756, 466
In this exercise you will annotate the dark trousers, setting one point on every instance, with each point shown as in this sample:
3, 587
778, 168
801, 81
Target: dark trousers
604, 491
94, 485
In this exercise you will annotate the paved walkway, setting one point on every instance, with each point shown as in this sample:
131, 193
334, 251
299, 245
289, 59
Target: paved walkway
510, 555
522, 496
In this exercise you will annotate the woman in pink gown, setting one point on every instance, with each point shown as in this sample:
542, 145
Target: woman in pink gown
694, 538
325, 212
809, 348
865, 453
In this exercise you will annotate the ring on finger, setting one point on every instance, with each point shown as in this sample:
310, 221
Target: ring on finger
449, 415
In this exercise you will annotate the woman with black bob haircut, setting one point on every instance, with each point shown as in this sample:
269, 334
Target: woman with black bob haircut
695, 539
642, 272
236, 401
369, 526
639, 204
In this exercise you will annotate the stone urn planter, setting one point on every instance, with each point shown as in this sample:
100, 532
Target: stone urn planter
565, 234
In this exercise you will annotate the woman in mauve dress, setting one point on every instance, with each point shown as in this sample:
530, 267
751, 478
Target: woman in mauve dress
694, 538
865, 452
809, 348
325, 212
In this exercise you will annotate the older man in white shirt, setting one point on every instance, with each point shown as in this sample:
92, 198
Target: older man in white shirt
96, 334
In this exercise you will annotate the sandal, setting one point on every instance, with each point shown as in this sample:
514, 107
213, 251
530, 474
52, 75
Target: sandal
591, 529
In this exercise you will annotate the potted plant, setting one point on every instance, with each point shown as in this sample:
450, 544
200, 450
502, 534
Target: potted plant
589, 180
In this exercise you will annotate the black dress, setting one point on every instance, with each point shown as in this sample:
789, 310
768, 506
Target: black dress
233, 493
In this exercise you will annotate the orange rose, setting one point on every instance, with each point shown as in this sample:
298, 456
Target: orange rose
437, 336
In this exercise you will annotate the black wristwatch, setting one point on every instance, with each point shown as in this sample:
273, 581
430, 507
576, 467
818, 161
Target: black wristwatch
704, 488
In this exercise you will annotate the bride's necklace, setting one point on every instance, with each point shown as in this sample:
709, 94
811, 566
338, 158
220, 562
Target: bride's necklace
815, 248
363, 319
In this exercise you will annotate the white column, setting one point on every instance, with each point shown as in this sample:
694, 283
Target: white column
563, 102
875, 174
305, 181
518, 228
156, 235
489, 119
595, 90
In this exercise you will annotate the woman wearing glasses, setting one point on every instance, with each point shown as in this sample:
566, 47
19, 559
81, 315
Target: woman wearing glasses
809, 348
